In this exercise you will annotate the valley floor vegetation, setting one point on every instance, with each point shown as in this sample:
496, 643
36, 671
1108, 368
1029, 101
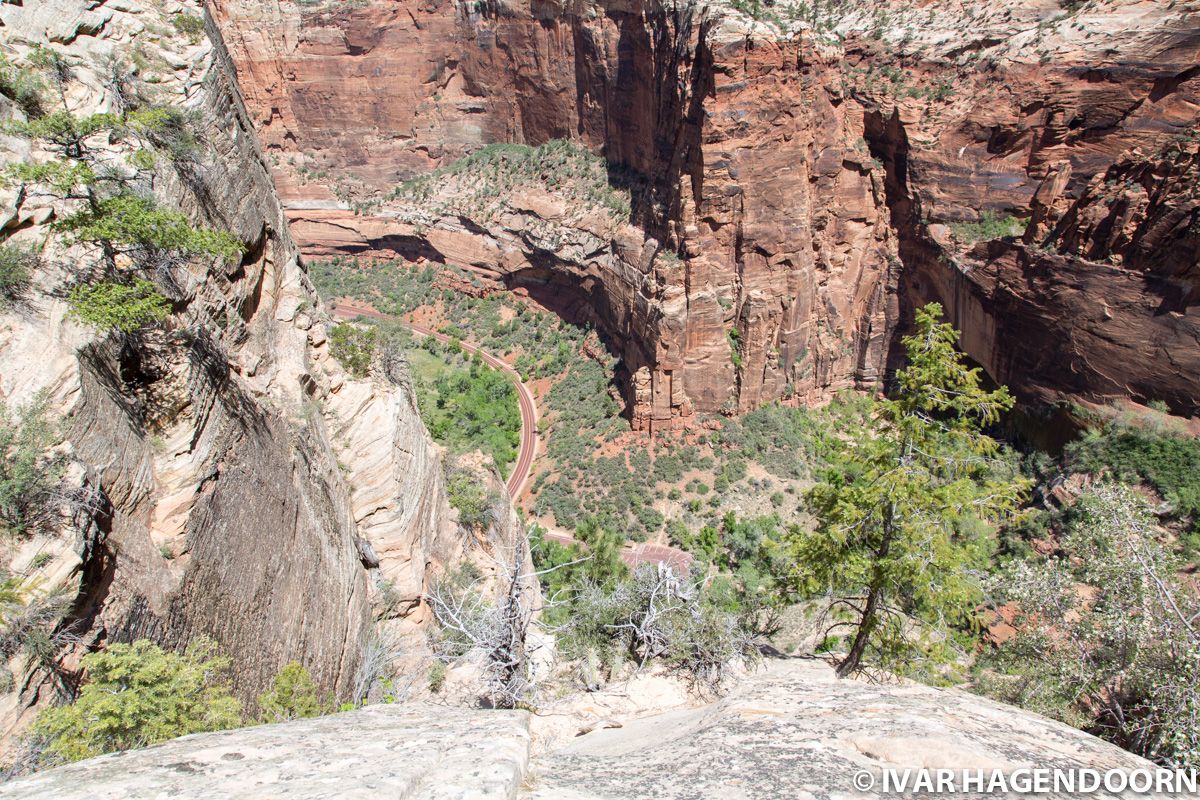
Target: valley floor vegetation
908, 547
593, 467
466, 404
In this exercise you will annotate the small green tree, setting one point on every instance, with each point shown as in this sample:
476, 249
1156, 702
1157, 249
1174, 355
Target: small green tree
114, 305
16, 264
189, 25
467, 495
138, 695
354, 347
29, 471
899, 513
603, 545
117, 210
293, 695
127, 221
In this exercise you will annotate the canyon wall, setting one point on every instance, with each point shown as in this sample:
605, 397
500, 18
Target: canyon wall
760, 193
226, 477
796, 173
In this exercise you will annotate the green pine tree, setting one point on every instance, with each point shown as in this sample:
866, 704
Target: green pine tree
138, 695
901, 513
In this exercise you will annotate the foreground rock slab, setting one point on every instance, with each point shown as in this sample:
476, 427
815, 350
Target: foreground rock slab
386, 752
794, 730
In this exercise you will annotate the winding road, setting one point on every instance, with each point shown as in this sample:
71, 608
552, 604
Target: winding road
528, 449
633, 553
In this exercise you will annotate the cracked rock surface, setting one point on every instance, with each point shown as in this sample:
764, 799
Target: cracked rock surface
380, 752
794, 730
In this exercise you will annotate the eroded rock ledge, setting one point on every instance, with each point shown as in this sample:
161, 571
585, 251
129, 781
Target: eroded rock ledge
376, 753
790, 730
795, 730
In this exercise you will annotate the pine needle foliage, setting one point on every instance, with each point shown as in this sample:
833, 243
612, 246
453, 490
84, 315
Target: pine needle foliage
125, 307
137, 695
903, 510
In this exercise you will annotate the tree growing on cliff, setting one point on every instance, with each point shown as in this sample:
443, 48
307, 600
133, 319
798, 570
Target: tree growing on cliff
138, 695
29, 469
902, 510
115, 206
30, 623
354, 347
293, 695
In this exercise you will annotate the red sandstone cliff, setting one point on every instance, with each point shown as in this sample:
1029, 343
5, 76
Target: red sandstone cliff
790, 176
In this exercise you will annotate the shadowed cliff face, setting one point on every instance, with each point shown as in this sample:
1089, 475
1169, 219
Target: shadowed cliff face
753, 156
211, 460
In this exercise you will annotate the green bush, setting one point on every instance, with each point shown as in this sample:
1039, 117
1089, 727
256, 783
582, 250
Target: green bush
23, 86
138, 695
1167, 461
128, 220
189, 25
467, 495
354, 347
735, 347
16, 264
437, 676
29, 471
124, 307
293, 695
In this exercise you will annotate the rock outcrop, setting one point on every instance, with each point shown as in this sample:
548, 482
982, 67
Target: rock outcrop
798, 171
791, 730
228, 478
384, 751
796, 730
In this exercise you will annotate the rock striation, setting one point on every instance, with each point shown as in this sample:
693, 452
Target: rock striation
804, 171
228, 478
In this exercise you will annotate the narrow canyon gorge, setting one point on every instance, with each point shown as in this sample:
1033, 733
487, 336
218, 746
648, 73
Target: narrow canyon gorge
699, 212
796, 189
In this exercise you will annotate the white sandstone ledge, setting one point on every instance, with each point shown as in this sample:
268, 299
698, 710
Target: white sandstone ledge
383, 752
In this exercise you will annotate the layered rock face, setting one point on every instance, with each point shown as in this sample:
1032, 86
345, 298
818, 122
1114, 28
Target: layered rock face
1092, 147
799, 166
759, 193
212, 461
